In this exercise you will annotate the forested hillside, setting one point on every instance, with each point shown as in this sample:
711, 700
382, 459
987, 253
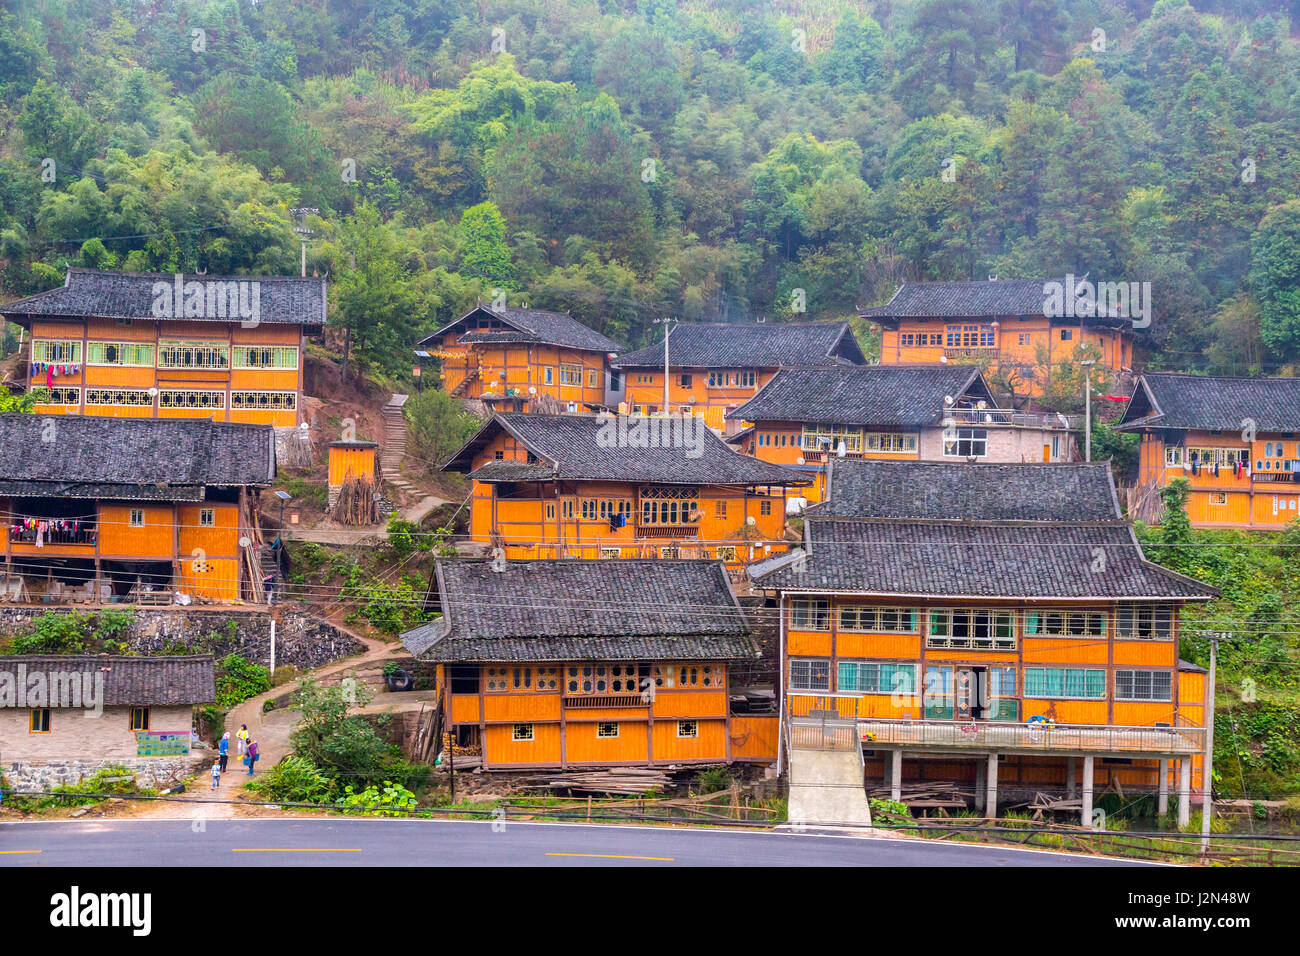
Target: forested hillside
710, 159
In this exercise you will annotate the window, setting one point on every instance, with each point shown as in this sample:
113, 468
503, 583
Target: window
870, 677
1067, 335
270, 401
670, 506
1065, 623
607, 729
806, 615
137, 518
765, 507
464, 678
1174, 455
920, 339
522, 732
810, 675
688, 728
1065, 682
139, 718
970, 443
969, 336
971, 628
593, 378
611, 552
880, 620
191, 398
684, 381
207, 517
60, 396
1022, 338
178, 354
547, 678
119, 396
498, 455
740, 379
727, 552
570, 375
669, 552
261, 356
889, 442
119, 353
1218, 497
50, 350
1143, 685
496, 679
550, 511
694, 675
1218, 456
548, 375
1144, 622
568, 508
722, 509
828, 437
39, 722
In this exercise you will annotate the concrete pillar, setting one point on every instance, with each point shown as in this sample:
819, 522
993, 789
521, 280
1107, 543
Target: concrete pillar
1085, 814
1184, 791
896, 775
991, 799
1070, 788
1162, 789
979, 785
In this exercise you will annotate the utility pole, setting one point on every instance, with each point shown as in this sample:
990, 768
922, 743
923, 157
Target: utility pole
668, 328
1087, 408
302, 212
1207, 781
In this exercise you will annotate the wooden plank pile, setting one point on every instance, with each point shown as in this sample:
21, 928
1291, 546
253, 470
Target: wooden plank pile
356, 504
930, 794
621, 781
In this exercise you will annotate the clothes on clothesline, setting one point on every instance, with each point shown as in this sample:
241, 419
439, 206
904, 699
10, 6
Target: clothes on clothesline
43, 528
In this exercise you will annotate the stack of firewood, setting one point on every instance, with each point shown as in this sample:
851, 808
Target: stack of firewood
356, 503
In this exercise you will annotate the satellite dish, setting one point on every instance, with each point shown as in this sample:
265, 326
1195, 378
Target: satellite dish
947, 399
799, 460
750, 521
244, 542
943, 359
532, 389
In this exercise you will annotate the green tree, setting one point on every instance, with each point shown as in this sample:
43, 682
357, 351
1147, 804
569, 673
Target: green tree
1275, 276
483, 249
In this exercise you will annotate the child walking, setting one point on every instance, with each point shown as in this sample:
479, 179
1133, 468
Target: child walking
216, 774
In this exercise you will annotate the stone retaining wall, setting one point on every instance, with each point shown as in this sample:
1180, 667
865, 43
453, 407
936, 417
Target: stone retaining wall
155, 773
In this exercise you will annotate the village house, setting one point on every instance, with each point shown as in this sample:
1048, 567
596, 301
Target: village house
804, 417
1235, 440
515, 359
1003, 324
63, 717
592, 663
132, 509
134, 345
584, 486
993, 625
714, 368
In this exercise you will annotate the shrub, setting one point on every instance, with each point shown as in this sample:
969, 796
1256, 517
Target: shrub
390, 800
238, 680
294, 779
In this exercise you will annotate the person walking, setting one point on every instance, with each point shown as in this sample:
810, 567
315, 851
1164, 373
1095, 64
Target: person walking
216, 774
223, 750
242, 736
252, 756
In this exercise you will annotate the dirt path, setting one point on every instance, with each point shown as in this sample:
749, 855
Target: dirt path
270, 729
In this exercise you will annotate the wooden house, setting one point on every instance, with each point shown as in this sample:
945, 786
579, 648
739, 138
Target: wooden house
134, 345
584, 486
515, 359
592, 663
1003, 324
714, 368
133, 508
992, 624
141, 710
804, 417
1235, 440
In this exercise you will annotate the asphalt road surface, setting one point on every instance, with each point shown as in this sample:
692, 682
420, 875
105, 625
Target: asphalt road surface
352, 842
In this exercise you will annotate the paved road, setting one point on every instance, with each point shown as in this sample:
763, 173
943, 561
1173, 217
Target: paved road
343, 842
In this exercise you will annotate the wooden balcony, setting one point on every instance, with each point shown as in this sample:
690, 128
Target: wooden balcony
987, 736
85, 533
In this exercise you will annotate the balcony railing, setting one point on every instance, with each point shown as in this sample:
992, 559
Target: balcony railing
55, 531
981, 735
1009, 416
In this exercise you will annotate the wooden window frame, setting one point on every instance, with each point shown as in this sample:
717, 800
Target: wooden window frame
522, 733
71, 346
208, 354
123, 349
207, 517
603, 727
818, 611
131, 518
248, 400
1152, 674
688, 729
1049, 693
282, 358
120, 397
46, 720
198, 399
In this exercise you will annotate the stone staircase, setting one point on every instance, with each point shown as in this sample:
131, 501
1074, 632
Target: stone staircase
394, 450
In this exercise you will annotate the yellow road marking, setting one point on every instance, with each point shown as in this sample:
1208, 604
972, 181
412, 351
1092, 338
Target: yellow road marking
293, 849
616, 856
20, 851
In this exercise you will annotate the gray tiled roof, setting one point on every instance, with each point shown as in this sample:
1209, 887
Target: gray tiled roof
99, 451
570, 447
531, 325
959, 491
941, 559
129, 295
101, 491
131, 681
964, 299
1170, 400
562, 610
887, 395
750, 345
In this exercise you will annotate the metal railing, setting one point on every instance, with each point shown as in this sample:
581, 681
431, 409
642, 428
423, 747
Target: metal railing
982, 735
1009, 416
